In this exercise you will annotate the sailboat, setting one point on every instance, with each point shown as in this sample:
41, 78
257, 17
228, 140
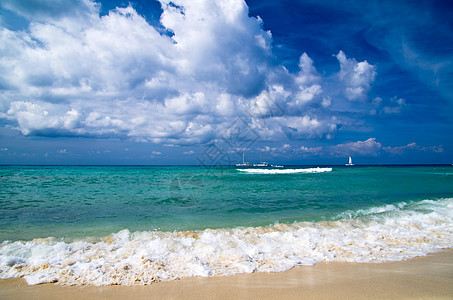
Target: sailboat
244, 163
262, 163
349, 164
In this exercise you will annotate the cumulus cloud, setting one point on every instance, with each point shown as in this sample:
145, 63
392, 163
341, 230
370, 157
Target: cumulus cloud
308, 83
82, 74
35, 118
356, 76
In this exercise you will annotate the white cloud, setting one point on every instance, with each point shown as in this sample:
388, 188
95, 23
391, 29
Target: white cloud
287, 150
370, 147
306, 95
307, 127
265, 105
326, 101
308, 73
311, 150
282, 149
156, 153
401, 149
306, 89
356, 76
34, 118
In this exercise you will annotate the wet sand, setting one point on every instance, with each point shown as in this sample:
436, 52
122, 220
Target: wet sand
429, 277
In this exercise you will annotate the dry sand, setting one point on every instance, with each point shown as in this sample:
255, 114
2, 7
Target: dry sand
429, 277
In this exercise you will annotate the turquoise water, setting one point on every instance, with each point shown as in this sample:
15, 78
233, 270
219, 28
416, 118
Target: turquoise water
139, 225
95, 201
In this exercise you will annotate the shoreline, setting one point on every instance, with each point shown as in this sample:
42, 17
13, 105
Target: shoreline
428, 276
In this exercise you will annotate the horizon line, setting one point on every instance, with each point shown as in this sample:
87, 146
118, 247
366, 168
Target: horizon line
211, 166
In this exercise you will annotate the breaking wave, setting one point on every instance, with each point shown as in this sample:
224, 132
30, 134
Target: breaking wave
377, 234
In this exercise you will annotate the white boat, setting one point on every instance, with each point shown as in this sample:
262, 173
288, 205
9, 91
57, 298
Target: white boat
261, 163
349, 164
244, 163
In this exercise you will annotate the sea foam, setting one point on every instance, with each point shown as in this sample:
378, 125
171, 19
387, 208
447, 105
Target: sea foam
377, 234
286, 171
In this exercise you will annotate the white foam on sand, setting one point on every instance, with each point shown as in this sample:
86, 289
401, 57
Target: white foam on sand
378, 234
285, 171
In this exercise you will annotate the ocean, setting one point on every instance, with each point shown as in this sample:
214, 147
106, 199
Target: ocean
136, 225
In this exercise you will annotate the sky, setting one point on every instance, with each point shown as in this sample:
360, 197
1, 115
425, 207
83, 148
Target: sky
200, 82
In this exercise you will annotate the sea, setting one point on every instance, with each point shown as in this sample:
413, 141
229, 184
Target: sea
138, 225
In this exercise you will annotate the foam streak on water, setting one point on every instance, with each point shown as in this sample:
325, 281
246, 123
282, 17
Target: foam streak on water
286, 171
378, 234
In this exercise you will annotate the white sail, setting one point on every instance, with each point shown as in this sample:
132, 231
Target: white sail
350, 162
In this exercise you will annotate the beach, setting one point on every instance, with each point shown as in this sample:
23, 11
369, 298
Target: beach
424, 277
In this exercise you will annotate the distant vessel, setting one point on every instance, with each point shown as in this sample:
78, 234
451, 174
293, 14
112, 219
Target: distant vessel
244, 163
261, 163
350, 162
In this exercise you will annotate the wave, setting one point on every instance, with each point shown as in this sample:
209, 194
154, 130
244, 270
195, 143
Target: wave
377, 234
285, 171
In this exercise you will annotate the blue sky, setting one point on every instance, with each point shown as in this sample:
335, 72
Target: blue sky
197, 82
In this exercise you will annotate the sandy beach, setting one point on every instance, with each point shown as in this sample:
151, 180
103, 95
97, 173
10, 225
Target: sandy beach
423, 277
